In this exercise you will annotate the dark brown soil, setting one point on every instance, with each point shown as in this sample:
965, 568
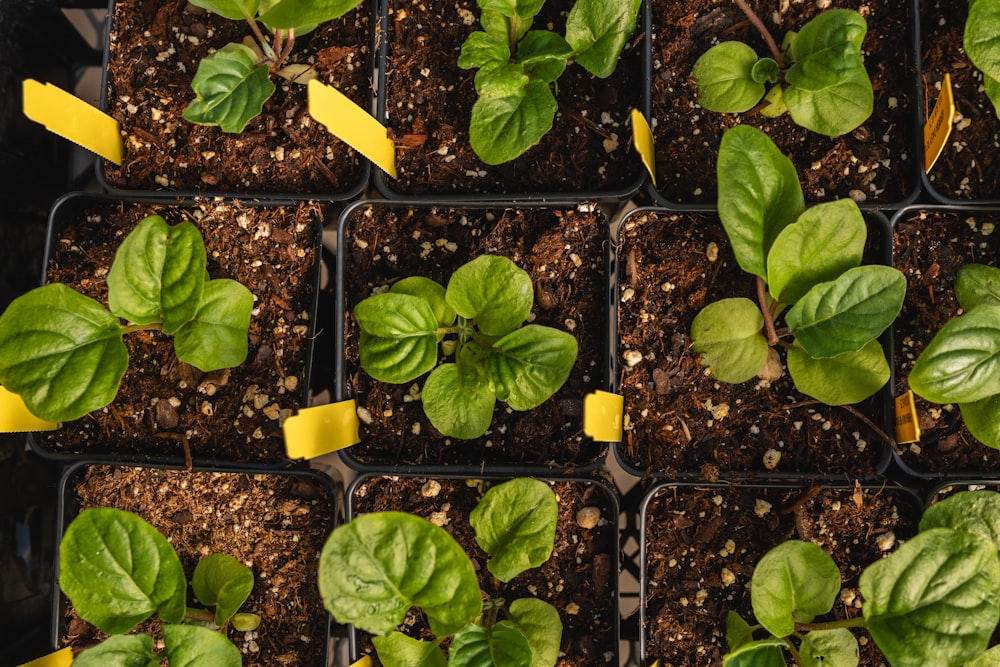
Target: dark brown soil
678, 418
384, 244
156, 46
578, 580
232, 415
930, 246
968, 167
877, 163
429, 102
274, 524
699, 537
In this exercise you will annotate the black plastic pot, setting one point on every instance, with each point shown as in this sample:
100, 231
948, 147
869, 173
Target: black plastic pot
588, 565
71, 212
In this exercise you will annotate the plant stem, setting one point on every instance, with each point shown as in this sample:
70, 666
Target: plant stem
856, 622
283, 55
757, 23
794, 651
264, 44
199, 615
772, 336
142, 327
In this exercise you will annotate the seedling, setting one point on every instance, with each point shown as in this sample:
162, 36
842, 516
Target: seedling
518, 66
817, 75
375, 568
117, 571
982, 44
233, 83
477, 319
63, 352
961, 364
934, 601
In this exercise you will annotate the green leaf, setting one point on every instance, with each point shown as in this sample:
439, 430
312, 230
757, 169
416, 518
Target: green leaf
231, 89
530, 364
990, 658
727, 335
598, 30
502, 128
120, 651
525, 10
234, 10
935, 600
217, 335
501, 80
195, 646
458, 401
399, 336
398, 650
975, 512
222, 582
725, 77
982, 418
992, 89
245, 621
831, 29
829, 648
498, 25
540, 624
117, 571
759, 195
845, 314
61, 352
738, 632
793, 583
977, 284
431, 292
981, 37
503, 645
765, 70
158, 274
493, 291
374, 568
849, 377
481, 49
296, 13
962, 362
543, 54
827, 240
515, 523
758, 653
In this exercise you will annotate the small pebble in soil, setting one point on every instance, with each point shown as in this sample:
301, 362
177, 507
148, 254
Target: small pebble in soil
572, 609
364, 415
712, 251
728, 578
632, 357
761, 507
771, 459
166, 415
886, 541
588, 517
430, 489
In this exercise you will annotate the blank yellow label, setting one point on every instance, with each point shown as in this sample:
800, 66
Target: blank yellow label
15, 417
603, 415
321, 429
907, 421
61, 658
642, 139
353, 125
363, 662
938, 127
73, 119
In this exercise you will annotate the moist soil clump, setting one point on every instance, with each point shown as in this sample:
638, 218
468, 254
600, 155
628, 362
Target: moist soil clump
578, 579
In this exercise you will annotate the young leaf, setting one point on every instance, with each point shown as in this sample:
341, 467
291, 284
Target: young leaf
543, 54
982, 418
766, 70
849, 377
825, 241
727, 335
377, 566
117, 570
502, 128
738, 632
759, 195
845, 314
119, 651
962, 362
429, 291
217, 335
515, 523
503, 645
61, 352
493, 291
234, 10
158, 274
935, 600
975, 512
726, 83
524, 10
529, 364
195, 646
540, 624
981, 39
597, 30
458, 401
222, 582
793, 582
398, 336
482, 49
990, 658
231, 89
285, 14
758, 653
977, 284
399, 650
829, 648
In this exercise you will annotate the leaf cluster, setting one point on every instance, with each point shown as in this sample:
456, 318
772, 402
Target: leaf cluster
63, 352
981, 40
962, 363
824, 87
934, 601
117, 571
477, 319
378, 566
809, 261
518, 65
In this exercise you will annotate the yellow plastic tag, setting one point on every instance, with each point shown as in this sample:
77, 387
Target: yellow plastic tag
61, 658
15, 417
603, 414
321, 429
73, 119
363, 662
907, 422
642, 139
938, 127
352, 125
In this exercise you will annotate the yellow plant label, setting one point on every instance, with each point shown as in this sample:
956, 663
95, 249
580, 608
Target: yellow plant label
321, 429
61, 658
363, 662
15, 417
603, 414
71, 118
642, 139
938, 127
907, 422
353, 125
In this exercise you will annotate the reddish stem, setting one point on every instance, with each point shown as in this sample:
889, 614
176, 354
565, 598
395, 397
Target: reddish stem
772, 335
762, 29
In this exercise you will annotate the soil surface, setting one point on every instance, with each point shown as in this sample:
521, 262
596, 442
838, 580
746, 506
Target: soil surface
429, 102
578, 579
702, 545
229, 415
677, 417
156, 46
274, 524
968, 167
929, 248
563, 252
876, 163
